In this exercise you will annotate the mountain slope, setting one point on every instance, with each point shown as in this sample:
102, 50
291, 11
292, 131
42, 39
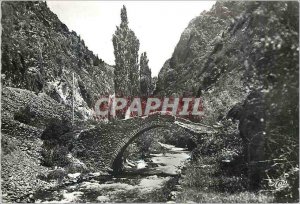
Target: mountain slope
224, 60
245, 67
39, 57
203, 34
41, 54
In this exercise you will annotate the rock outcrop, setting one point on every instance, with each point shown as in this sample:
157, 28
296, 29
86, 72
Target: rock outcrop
204, 34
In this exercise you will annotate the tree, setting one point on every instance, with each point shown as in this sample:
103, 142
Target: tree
126, 47
145, 76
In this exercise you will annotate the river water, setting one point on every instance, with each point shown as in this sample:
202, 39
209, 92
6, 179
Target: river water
142, 181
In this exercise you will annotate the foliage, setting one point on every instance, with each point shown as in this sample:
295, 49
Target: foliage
145, 76
40, 54
24, 115
218, 171
255, 49
54, 155
126, 47
57, 128
56, 143
277, 77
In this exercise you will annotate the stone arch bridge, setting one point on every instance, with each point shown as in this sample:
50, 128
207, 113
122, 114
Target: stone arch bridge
102, 147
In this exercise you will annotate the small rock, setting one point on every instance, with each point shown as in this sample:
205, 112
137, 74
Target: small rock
102, 198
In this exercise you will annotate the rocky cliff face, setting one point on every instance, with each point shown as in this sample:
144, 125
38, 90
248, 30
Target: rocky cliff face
40, 54
180, 73
39, 57
221, 53
242, 59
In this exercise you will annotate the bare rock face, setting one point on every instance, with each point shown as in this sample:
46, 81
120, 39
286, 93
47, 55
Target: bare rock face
203, 35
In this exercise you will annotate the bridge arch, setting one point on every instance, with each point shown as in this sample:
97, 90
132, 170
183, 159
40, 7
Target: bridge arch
117, 163
101, 148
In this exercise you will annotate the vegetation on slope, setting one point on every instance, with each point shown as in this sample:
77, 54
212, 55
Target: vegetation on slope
247, 72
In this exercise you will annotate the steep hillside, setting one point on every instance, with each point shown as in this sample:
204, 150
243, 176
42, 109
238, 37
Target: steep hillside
39, 57
40, 54
242, 59
221, 51
180, 73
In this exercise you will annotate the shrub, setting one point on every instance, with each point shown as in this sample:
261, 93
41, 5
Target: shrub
25, 115
56, 128
56, 143
54, 155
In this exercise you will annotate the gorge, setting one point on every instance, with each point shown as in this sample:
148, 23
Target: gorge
240, 58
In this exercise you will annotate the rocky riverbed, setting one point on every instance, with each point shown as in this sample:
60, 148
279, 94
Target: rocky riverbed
142, 181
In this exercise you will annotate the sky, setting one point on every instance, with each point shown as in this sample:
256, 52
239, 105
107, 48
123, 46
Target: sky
157, 24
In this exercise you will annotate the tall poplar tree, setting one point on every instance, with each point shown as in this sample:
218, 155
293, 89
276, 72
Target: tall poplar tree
126, 47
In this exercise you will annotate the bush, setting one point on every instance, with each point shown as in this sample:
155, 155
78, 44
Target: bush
54, 155
25, 115
56, 143
56, 129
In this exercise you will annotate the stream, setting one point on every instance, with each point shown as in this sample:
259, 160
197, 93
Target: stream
153, 180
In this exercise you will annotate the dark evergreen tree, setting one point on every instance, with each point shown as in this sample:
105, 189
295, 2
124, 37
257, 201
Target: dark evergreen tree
145, 76
126, 47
